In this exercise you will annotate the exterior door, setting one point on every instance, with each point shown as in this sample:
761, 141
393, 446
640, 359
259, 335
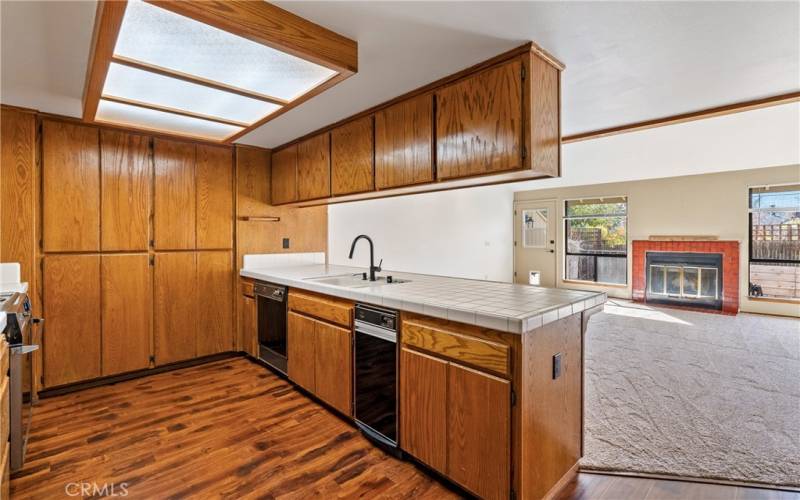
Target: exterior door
535, 242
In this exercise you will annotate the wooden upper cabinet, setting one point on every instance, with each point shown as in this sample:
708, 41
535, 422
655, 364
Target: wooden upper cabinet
314, 168
404, 143
70, 187
176, 306
252, 182
175, 195
284, 175
72, 345
125, 199
479, 123
215, 295
214, 181
352, 154
127, 301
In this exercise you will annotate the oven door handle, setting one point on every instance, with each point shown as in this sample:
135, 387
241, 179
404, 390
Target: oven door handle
374, 331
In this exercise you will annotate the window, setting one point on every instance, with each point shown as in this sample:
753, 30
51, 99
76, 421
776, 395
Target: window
534, 228
775, 242
596, 233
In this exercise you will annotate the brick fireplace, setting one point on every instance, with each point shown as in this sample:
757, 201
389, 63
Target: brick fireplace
696, 274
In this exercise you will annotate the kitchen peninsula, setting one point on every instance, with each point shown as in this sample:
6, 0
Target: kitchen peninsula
475, 358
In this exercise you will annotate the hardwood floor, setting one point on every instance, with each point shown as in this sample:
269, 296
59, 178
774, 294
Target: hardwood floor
233, 429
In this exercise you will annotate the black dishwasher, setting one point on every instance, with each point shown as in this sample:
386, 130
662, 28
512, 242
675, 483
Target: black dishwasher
376, 373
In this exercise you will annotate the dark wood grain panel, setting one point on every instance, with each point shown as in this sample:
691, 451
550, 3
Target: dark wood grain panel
214, 181
334, 366
479, 123
176, 306
252, 182
352, 155
18, 191
423, 408
479, 432
72, 345
127, 306
300, 347
175, 195
126, 175
70, 187
215, 307
314, 167
284, 175
404, 143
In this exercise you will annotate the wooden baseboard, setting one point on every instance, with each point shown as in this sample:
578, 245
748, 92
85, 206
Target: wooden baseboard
113, 379
690, 479
561, 483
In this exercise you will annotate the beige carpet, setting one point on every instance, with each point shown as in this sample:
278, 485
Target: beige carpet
693, 394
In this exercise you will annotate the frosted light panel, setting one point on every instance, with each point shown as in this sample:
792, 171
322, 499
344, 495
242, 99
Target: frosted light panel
158, 37
134, 116
152, 88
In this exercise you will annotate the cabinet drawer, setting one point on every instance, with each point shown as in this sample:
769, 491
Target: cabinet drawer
247, 288
485, 354
336, 311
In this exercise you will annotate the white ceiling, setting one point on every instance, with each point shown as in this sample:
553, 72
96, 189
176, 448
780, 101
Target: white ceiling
626, 61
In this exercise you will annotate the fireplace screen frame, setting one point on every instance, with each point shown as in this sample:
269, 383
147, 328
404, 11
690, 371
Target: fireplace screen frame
680, 262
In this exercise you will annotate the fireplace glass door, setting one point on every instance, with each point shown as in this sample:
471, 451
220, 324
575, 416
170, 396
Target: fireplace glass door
685, 282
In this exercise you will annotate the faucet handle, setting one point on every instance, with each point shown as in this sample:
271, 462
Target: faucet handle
378, 267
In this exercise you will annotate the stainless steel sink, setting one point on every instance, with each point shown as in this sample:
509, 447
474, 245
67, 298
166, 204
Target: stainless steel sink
354, 281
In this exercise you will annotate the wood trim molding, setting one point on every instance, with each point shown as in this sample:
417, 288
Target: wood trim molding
685, 117
107, 23
270, 25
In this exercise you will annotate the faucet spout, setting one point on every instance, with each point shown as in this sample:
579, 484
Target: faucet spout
372, 267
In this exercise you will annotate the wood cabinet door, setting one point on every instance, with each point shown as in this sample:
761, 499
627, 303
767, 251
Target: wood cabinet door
334, 366
404, 143
72, 308
352, 155
70, 187
479, 434
175, 314
252, 182
174, 195
284, 175
248, 326
127, 300
314, 168
423, 408
214, 197
125, 199
300, 346
215, 311
479, 123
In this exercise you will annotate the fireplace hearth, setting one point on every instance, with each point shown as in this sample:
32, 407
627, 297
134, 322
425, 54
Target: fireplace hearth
684, 278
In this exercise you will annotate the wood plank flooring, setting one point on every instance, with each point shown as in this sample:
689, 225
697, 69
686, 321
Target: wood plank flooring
232, 429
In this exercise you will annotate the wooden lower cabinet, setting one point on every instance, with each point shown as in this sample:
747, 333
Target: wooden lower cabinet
423, 404
320, 360
127, 301
215, 308
175, 314
479, 431
72, 345
333, 354
300, 346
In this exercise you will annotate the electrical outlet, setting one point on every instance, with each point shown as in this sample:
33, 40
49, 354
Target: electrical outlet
286, 243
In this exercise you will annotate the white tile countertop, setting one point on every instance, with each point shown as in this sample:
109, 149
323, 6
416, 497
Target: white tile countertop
500, 306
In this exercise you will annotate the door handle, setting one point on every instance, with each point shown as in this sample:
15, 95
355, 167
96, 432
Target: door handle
552, 251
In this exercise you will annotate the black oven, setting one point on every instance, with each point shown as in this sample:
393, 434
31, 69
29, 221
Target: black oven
272, 305
376, 373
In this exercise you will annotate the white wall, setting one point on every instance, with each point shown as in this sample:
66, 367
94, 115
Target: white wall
468, 232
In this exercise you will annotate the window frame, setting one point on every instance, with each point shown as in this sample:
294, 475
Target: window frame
565, 220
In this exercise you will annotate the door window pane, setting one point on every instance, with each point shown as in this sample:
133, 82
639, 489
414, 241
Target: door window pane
534, 228
775, 242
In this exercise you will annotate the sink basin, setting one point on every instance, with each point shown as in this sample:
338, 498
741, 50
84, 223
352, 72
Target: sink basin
354, 281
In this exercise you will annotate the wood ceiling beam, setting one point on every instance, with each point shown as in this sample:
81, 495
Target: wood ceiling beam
270, 25
107, 23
